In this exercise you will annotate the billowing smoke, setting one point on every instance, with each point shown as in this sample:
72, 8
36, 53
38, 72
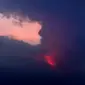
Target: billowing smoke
19, 27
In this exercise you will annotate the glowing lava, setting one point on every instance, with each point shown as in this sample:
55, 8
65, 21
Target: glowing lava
50, 60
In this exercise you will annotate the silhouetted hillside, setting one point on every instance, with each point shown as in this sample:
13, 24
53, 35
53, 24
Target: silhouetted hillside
17, 53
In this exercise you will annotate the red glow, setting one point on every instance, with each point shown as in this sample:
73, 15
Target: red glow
50, 60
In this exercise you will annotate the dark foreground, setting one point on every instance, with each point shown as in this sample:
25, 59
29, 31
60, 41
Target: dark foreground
19, 77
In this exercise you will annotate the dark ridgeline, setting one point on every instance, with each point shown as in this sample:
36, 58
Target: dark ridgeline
17, 67
19, 55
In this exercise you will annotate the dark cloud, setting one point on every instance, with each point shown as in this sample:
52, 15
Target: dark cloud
17, 53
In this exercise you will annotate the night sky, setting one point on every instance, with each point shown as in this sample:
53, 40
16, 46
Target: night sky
49, 37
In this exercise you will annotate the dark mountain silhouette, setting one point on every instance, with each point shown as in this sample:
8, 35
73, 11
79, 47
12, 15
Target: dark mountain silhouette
17, 53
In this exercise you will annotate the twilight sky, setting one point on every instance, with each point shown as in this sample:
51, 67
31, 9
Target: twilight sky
61, 35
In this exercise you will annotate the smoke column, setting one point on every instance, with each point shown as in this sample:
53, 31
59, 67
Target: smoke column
20, 28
